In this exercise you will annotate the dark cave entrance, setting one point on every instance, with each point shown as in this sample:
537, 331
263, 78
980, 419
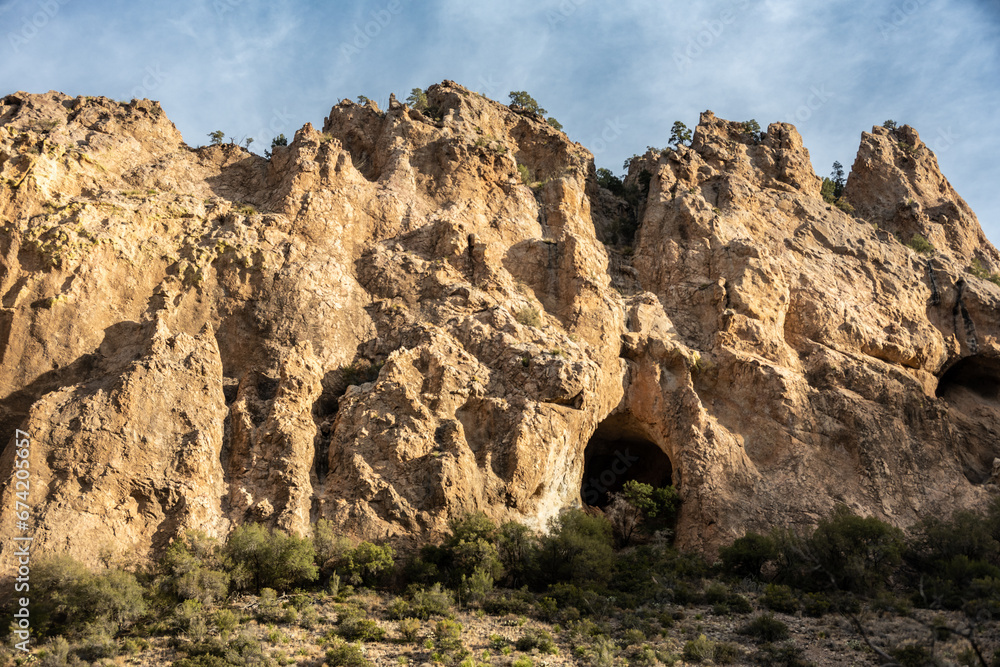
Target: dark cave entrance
616, 453
976, 374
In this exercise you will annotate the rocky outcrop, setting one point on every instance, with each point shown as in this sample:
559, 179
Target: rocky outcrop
410, 314
896, 184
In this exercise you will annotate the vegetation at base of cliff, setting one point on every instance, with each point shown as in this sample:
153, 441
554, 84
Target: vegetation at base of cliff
583, 591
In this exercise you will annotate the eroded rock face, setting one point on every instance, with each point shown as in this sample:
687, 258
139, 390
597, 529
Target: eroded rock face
385, 326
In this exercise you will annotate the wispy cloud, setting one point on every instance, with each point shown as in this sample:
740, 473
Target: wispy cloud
836, 68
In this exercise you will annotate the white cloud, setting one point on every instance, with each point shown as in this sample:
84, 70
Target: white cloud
271, 66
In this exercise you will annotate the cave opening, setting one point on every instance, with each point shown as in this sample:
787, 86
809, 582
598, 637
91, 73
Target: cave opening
620, 451
976, 374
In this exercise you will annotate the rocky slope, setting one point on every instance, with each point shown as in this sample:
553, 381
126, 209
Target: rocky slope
386, 326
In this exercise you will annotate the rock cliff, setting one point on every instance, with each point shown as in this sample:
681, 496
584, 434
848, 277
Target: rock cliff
416, 313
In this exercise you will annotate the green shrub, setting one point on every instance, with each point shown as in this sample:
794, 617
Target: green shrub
858, 554
659, 503
554, 123
365, 563
816, 604
540, 639
523, 99
679, 134
633, 636
205, 660
97, 644
827, 189
726, 653
699, 650
765, 628
964, 533
475, 588
226, 621
913, 655
188, 613
610, 182
427, 602
409, 629
193, 568
516, 546
783, 655
780, 598
524, 173
844, 205
327, 543
417, 99
921, 245
468, 559
55, 653
529, 317
505, 602
353, 626
752, 132
747, 555
68, 596
738, 604
577, 549
274, 559
978, 270
716, 593
448, 639
269, 609
343, 654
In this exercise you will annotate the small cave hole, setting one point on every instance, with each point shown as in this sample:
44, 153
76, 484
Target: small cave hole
977, 375
616, 454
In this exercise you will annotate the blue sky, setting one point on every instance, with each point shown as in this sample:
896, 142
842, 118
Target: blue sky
617, 77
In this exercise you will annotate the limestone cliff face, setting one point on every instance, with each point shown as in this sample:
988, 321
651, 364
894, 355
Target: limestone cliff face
385, 326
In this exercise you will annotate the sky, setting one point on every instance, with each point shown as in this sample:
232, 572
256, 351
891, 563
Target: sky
616, 75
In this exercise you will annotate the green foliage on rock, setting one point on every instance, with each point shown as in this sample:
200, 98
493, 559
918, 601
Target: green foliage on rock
921, 244
680, 135
522, 99
417, 99
607, 180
